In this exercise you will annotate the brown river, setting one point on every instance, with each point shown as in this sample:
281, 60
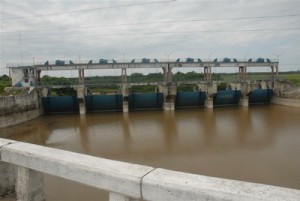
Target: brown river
257, 144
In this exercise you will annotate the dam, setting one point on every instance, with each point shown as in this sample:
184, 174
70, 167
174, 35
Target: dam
227, 142
166, 96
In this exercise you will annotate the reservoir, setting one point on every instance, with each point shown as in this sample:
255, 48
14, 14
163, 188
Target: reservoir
255, 144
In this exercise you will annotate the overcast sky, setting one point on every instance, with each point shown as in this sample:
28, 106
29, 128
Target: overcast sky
90, 29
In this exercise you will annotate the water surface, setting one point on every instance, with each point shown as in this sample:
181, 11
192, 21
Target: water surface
256, 144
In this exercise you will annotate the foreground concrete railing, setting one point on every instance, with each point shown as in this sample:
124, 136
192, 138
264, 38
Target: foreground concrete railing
124, 181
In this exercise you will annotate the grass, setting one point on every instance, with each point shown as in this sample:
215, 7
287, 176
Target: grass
294, 78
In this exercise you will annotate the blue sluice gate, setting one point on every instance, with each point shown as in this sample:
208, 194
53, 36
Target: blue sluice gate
60, 104
104, 102
190, 99
260, 96
66, 104
227, 97
145, 101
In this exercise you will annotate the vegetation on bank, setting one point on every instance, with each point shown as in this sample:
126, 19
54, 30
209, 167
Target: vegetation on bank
5, 81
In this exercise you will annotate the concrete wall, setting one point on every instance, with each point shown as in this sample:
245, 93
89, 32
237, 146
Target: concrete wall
286, 101
285, 89
287, 94
19, 109
126, 181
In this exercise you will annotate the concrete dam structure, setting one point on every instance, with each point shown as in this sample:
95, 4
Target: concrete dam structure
166, 94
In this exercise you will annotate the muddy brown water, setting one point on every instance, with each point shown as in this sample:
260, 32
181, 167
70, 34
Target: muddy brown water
257, 144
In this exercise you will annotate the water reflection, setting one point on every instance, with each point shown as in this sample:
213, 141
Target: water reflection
258, 144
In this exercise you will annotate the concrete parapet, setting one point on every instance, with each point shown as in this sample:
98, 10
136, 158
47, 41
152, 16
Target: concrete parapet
113, 176
166, 185
125, 181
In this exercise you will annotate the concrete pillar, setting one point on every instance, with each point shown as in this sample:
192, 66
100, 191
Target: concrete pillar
118, 197
30, 185
38, 77
124, 75
244, 101
45, 92
169, 80
81, 93
167, 74
125, 106
82, 108
81, 76
207, 73
242, 73
170, 92
209, 103
125, 93
7, 179
245, 88
211, 91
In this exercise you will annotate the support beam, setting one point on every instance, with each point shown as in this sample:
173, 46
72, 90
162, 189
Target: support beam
30, 185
